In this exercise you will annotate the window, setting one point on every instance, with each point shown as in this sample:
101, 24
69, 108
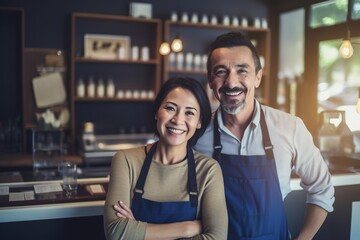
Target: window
355, 14
338, 81
329, 13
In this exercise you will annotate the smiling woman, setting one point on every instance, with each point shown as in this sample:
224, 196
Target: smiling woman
168, 190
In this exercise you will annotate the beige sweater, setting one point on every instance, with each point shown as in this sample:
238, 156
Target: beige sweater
165, 183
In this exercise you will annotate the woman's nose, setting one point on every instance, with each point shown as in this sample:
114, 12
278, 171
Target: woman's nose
177, 118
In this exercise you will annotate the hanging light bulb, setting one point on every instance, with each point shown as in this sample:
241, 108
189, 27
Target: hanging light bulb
177, 45
164, 48
346, 50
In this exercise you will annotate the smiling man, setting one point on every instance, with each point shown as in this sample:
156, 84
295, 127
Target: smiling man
258, 147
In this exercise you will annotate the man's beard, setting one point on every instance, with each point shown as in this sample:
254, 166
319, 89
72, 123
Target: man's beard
233, 109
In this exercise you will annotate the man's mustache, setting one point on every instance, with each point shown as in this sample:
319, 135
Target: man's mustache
225, 89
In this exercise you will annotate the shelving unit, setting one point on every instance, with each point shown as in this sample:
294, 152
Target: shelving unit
112, 114
196, 39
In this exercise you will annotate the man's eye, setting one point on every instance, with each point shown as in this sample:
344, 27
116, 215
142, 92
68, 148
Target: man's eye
220, 72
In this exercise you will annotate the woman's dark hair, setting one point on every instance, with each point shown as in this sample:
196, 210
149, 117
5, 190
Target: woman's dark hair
197, 90
229, 40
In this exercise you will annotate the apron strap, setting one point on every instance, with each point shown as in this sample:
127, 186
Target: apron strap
139, 187
217, 143
268, 147
266, 137
192, 183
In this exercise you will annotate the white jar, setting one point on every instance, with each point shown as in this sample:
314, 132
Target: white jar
204, 19
80, 89
194, 18
214, 20
197, 61
180, 60
235, 21
135, 53
100, 89
244, 22
257, 23
226, 20
110, 88
189, 60
174, 16
145, 53
90, 89
185, 17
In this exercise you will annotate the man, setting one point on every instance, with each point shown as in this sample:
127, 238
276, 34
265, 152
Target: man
258, 147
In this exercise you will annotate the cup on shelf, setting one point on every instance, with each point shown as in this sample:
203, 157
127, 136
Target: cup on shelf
145, 53
80, 88
121, 53
69, 175
197, 61
257, 22
180, 60
135, 53
204, 19
188, 60
244, 22
184, 17
226, 20
264, 23
194, 18
235, 21
174, 17
214, 20
90, 89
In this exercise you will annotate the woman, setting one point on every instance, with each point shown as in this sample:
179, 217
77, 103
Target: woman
167, 190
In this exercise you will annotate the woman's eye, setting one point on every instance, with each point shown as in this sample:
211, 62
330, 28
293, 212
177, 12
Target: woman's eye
190, 113
169, 108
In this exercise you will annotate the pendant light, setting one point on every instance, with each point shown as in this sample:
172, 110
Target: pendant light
164, 48
346, 50
176, 45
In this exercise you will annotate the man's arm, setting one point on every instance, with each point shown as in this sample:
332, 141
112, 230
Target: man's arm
314, 218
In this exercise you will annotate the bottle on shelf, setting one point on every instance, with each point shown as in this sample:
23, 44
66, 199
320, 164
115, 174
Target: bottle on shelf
80, 88
100, 89
110, 88
90, 91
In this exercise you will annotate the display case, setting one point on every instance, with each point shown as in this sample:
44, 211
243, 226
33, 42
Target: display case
115, 72
196, 38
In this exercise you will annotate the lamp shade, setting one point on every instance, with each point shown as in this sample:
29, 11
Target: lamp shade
346, 50
164, 48
177, 45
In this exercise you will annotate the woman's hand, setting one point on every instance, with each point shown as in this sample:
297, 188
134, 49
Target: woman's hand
123, 211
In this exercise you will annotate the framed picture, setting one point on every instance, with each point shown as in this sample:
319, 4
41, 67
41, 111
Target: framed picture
101, 46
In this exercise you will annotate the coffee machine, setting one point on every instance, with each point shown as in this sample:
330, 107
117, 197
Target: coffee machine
334, 136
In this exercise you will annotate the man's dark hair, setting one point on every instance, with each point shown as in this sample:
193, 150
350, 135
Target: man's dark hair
229, 40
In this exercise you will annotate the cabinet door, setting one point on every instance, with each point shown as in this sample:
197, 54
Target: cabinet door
124, 85
196, 38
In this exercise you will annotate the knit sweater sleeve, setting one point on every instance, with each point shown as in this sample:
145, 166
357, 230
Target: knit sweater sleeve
120, 188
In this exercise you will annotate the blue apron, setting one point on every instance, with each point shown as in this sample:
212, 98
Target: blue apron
165, 212
253, 196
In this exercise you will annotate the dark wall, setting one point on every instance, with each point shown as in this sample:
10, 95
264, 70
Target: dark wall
47, 23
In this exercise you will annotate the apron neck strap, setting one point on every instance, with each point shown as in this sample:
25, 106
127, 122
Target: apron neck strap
268, 147
192, 183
